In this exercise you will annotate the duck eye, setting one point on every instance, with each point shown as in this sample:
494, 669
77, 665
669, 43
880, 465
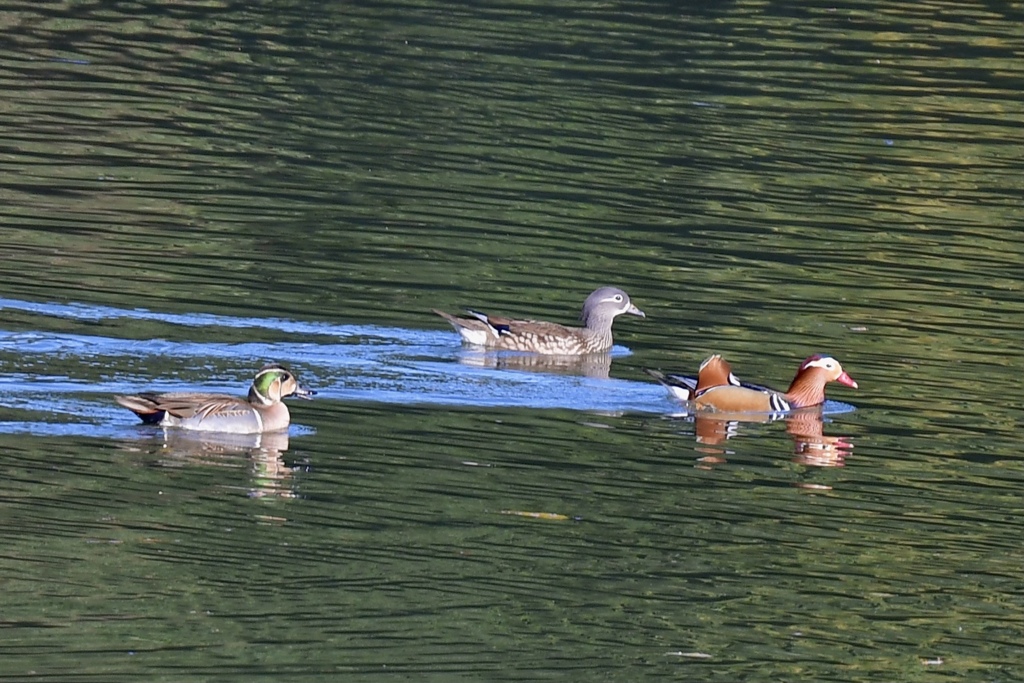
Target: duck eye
618, 297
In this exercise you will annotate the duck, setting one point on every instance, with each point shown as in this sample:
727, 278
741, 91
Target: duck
261, 411
806, 390
714, 371
536, 336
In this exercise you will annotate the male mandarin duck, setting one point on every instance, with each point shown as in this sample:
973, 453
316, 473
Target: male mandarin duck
717, 388
535, 336
713, 372
261, 412
807, 389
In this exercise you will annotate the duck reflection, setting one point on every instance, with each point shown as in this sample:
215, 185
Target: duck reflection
811, 446
270, 476
595, 365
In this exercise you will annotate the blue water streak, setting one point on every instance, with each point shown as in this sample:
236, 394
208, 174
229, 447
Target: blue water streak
366, 364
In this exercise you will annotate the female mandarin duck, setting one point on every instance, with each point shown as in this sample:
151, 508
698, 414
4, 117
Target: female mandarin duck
599, 310
807, 388
262, 411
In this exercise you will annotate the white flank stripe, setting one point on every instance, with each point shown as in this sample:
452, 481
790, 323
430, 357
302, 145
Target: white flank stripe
478, 337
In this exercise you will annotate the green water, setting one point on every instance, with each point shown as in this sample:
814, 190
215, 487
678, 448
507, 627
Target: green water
765, 181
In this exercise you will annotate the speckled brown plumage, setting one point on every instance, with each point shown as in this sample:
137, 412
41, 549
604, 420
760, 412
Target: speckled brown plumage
536, 336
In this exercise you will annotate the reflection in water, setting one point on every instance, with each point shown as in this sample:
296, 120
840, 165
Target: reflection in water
270, 476
811, 446
594, 365
770, 176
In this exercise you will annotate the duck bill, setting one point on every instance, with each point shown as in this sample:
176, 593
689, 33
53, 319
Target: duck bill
303, 392
847, 380
633, 310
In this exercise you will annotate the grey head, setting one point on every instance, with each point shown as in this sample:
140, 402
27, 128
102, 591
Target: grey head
603, 305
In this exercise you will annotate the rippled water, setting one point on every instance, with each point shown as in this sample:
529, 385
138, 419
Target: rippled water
348, 362
192, 190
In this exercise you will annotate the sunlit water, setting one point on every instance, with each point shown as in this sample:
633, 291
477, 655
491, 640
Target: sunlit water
188, 191
367, 363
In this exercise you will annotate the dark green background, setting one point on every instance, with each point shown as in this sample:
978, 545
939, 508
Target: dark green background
766, 180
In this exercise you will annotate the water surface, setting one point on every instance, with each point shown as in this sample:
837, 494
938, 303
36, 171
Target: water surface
190, 191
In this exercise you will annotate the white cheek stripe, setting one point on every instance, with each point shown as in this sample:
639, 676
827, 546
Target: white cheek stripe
821, 362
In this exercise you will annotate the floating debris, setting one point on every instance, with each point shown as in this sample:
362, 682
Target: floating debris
536, 515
